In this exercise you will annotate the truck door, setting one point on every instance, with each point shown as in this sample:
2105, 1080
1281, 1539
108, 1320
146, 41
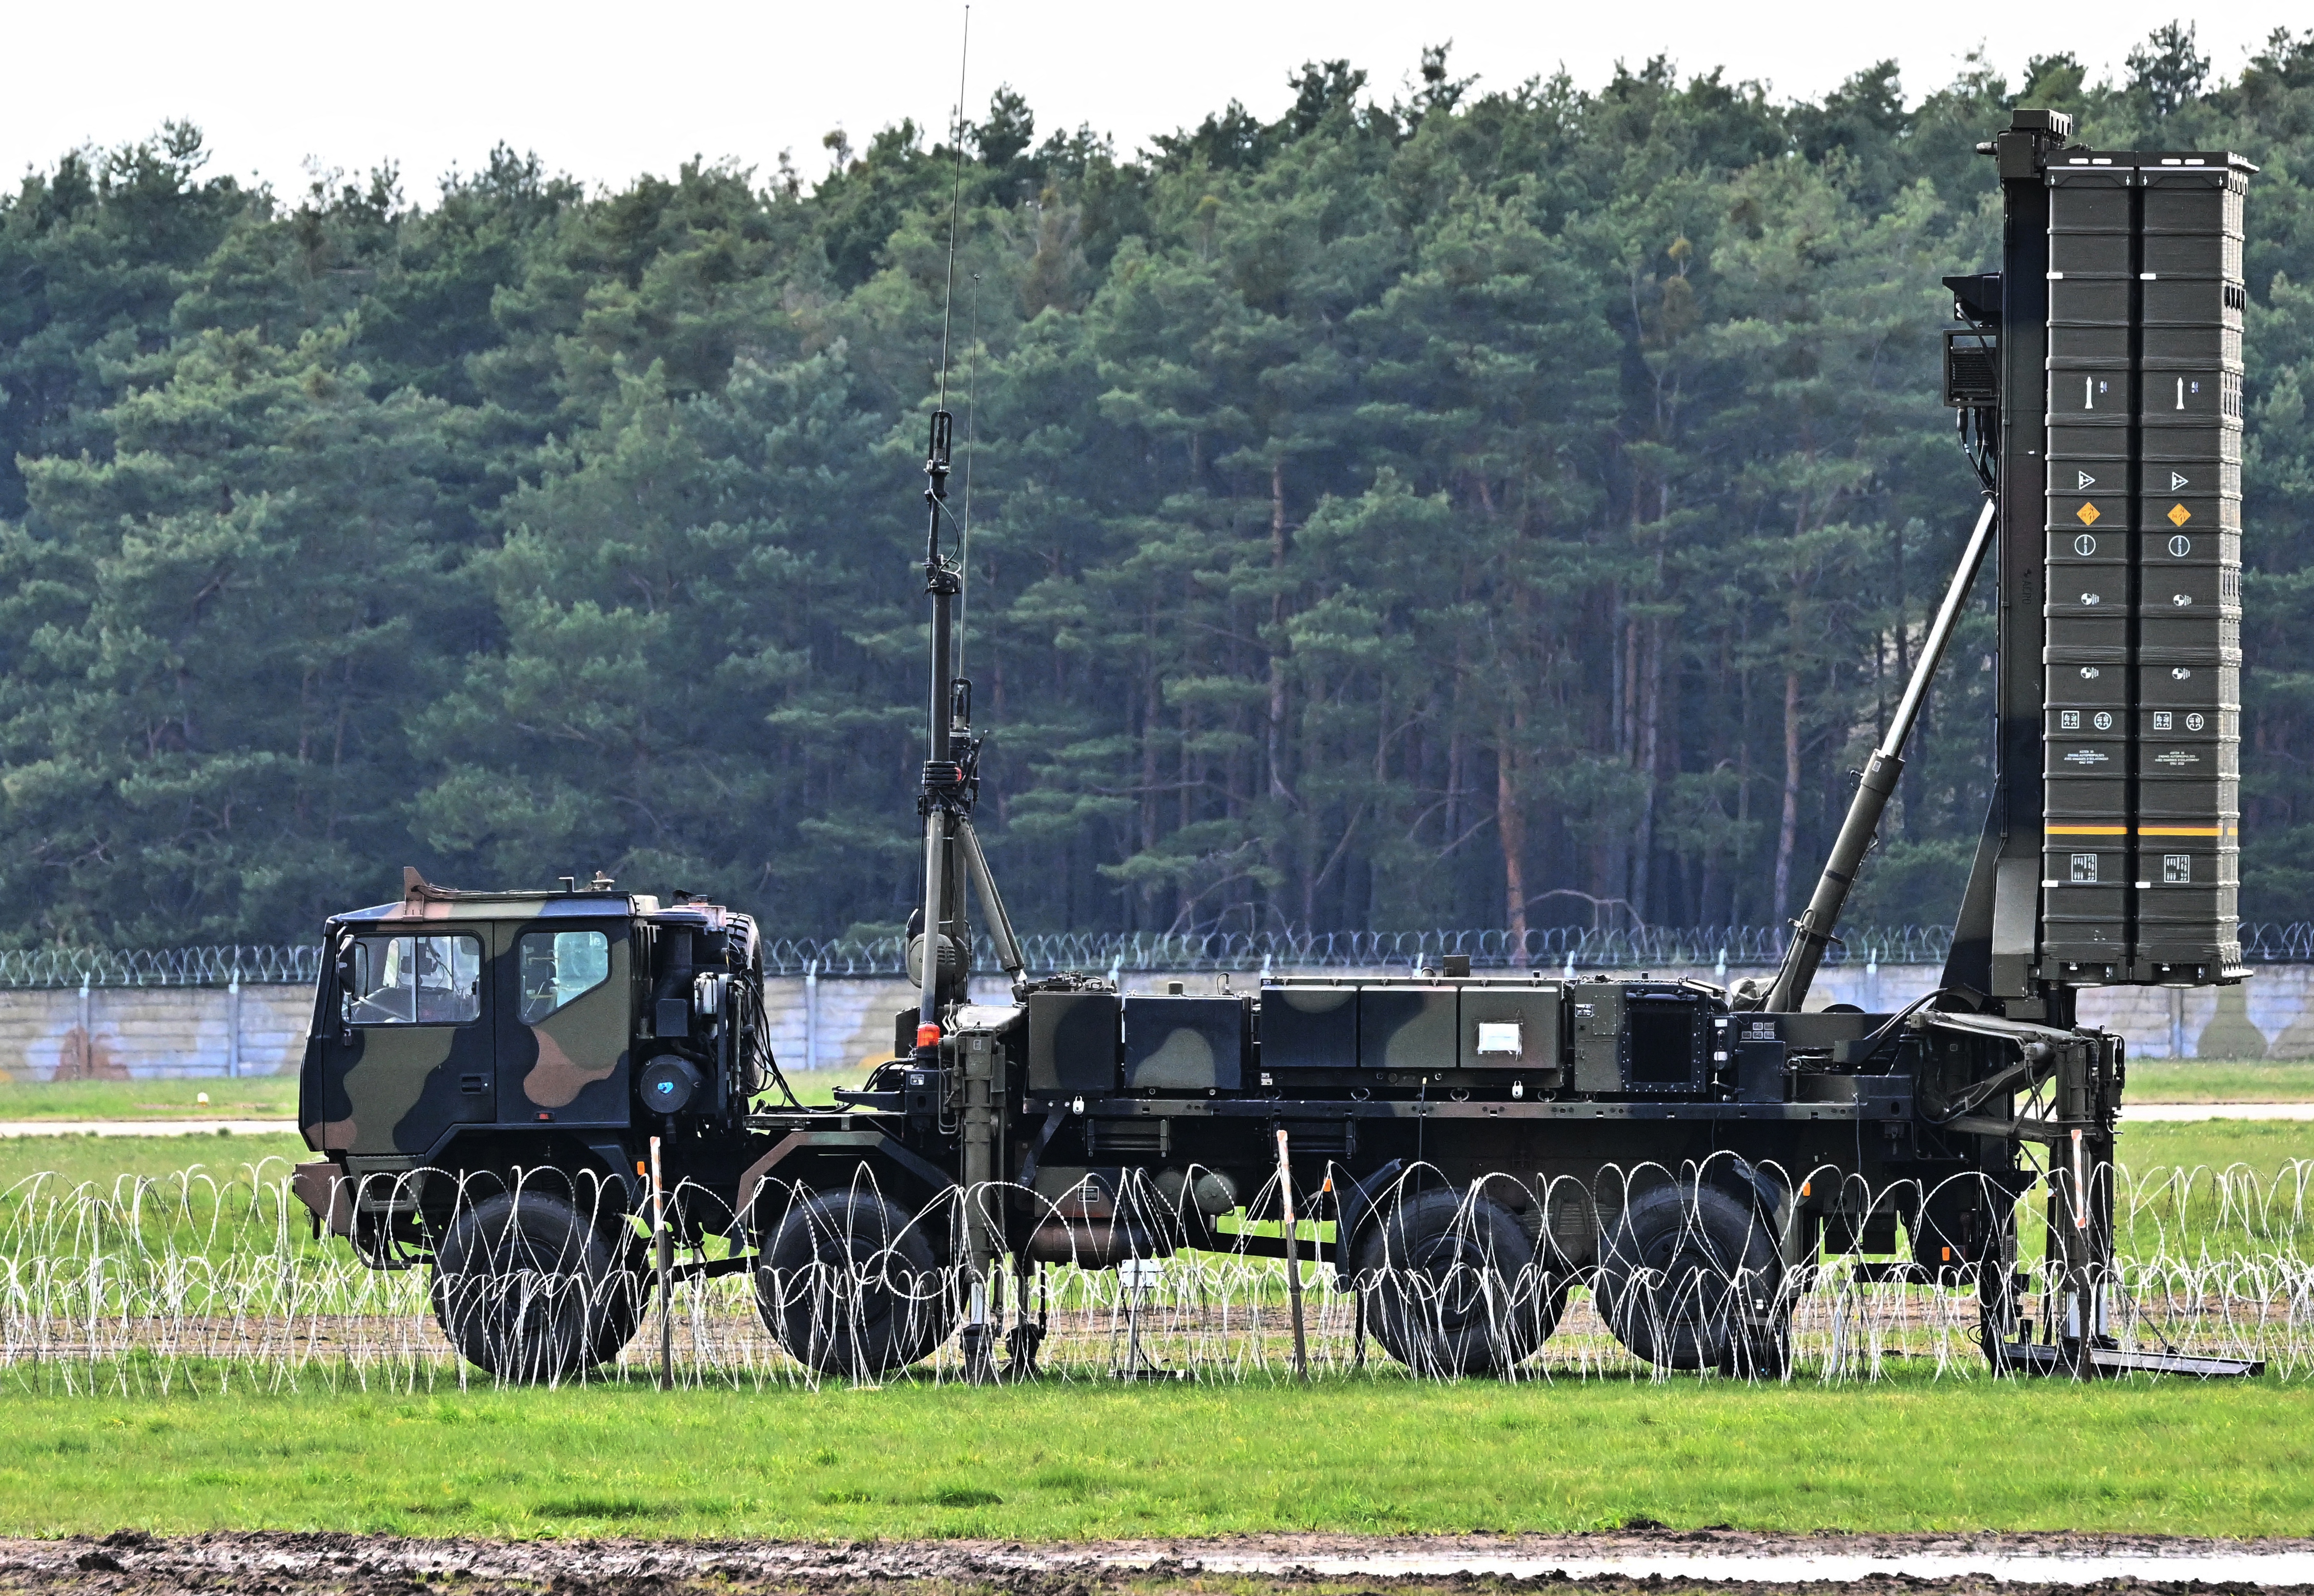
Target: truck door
409, 1056
564, 1022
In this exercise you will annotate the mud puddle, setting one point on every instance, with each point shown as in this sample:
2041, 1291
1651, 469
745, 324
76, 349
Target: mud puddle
276, 1563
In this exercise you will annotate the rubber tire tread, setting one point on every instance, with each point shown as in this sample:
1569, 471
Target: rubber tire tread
1663, 1281
1482, 1247
849, 1285
529, 1290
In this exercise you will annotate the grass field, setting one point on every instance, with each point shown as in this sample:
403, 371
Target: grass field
2263, 1144
275, 1097
1375, 1453
818, 1086
2218, 1081
1050, 1463
253, 1097
103, 1159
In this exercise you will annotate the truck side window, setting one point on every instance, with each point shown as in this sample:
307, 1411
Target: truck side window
558, 966
415, 981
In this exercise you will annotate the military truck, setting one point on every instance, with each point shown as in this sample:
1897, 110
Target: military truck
489, 1072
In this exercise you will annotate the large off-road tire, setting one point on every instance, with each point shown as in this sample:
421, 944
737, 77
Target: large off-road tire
850, 1286
1692, 1276
529, 1289
1455, 1285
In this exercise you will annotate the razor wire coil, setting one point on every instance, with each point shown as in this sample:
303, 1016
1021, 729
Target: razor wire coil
213, 1281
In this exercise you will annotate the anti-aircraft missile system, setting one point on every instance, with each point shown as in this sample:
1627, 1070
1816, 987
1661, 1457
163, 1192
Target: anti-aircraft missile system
502, 1088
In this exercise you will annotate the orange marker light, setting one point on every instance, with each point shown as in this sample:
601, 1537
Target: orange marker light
928, 1034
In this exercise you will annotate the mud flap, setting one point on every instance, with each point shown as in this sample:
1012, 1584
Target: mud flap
327, 1191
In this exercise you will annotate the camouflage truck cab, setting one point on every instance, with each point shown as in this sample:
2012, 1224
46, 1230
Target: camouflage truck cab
483, 1034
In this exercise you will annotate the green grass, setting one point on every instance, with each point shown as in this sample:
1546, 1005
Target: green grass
193, 1172
104, 1159
1064, 1462
255, 1097
817, 1085
275, 1097
2219, 1081
1056, 1462
2263, 1144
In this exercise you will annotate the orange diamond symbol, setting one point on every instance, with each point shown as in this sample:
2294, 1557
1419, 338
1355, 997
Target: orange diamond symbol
2179, 514
2088, 513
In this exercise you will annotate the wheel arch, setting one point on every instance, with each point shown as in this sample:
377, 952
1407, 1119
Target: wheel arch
830, 1161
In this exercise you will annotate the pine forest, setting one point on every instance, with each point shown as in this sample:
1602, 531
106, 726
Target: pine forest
1461, 504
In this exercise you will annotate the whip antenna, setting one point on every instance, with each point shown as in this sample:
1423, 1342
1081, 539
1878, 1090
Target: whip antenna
955, 196
964, 522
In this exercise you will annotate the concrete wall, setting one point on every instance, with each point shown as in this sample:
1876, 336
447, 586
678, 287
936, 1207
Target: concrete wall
153, 1032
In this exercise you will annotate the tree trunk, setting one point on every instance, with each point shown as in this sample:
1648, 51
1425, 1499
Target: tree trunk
1510, 823
1276, 727
1455, 742
1149, 696
1236, 772
1650, 721
1788, 833
1739, 875
1275, 730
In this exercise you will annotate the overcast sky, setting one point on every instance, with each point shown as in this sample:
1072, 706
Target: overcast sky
605, 92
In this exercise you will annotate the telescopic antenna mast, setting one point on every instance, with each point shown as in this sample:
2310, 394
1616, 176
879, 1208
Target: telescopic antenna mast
943, 951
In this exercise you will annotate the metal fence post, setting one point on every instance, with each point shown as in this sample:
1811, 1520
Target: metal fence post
87, 1063
232, 1028
811, 1014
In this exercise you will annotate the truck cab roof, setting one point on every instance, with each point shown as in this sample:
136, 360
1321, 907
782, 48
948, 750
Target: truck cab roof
508, 906
423, 900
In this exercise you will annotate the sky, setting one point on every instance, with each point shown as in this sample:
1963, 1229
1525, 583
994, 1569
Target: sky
603, 93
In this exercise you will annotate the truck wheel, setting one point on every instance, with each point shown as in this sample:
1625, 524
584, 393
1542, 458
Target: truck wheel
850, 1286
1452, 1285
527, 1290
1690, 1277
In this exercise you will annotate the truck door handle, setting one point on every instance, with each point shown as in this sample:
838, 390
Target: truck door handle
474, 1085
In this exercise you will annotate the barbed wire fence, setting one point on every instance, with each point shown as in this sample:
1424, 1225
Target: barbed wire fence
218, 965
1545, 948
215, 1281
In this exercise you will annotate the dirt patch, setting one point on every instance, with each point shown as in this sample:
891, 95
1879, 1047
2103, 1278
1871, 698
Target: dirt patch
339, 1565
